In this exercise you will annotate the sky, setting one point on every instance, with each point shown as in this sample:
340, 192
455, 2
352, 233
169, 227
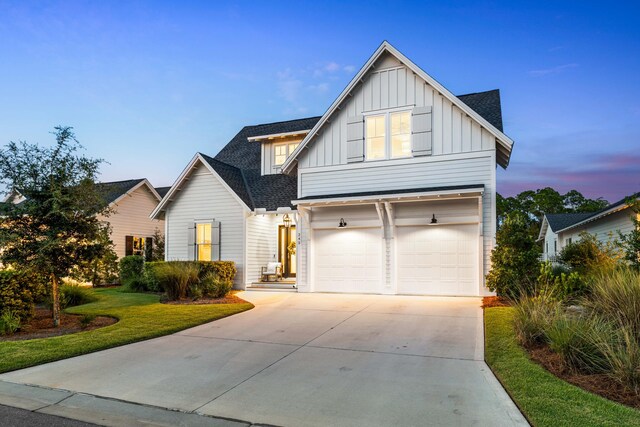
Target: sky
147, 84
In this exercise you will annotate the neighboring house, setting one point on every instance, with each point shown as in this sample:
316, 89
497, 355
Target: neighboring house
392, 190
131, 202
559, 230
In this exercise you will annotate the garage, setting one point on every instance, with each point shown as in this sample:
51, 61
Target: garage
438, 260
348, 260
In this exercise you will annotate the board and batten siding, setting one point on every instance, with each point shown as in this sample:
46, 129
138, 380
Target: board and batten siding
204, 198
397, 87
131, 218
262, 244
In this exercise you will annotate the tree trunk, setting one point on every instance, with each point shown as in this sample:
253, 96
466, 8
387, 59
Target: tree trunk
55, 300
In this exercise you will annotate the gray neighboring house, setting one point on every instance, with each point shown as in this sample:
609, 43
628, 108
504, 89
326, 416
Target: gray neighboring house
391, 191
559, 230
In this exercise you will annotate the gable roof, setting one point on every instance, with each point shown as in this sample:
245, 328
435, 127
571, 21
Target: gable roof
504, 146
559, 221
115, 190
487, 104
608, 210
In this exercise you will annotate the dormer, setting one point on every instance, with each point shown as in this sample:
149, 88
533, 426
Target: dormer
276, 148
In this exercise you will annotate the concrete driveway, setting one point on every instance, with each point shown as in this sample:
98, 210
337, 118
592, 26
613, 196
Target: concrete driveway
308, 360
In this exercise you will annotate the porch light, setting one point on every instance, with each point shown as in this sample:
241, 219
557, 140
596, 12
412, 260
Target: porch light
433, 219
342, 223
286, 220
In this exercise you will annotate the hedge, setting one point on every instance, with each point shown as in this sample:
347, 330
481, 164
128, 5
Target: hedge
226, 270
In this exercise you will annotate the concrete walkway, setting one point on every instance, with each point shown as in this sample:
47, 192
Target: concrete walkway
307, 360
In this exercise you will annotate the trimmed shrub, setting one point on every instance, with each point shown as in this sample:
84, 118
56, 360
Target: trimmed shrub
532, 317
150, 278
214, 286
9, 322
226, 270
131, 268
19, 291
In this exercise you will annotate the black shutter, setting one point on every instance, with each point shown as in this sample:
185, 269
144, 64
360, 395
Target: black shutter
148, 248
128, 245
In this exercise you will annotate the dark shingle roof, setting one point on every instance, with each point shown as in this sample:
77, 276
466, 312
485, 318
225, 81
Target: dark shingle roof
162, 191
112, 190
564, 220
487, 104
234, 178
594, 215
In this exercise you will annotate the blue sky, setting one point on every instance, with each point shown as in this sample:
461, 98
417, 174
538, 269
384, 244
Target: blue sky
147, 84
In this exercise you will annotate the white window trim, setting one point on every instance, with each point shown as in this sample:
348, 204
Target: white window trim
387, 132
273, 150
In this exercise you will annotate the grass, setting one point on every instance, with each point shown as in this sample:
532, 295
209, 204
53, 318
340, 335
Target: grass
542, 397
141, 317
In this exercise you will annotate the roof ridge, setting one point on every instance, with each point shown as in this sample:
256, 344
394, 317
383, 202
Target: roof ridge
283, 121
478, 93
123, 180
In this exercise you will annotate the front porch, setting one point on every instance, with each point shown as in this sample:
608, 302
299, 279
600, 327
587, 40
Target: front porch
271, 249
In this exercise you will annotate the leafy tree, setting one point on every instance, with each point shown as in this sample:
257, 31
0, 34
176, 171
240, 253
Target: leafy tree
630, 243
55, 228
515, 260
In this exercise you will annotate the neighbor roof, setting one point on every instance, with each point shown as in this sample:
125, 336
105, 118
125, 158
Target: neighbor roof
613, 207
487, 104
111, 191
162, 191
559, 221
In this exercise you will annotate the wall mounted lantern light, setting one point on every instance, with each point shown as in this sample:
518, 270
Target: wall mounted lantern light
342, 223
286, 220
433, 219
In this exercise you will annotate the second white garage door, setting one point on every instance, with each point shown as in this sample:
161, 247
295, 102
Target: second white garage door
348, 260
438, 260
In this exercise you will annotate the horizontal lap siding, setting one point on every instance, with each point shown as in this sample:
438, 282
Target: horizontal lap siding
262, 243
203, 197
131, 218
605, 229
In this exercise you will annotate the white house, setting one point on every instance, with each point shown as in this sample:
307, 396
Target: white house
559, 230
392, 190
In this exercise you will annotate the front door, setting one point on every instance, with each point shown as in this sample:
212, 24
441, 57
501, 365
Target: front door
287, 250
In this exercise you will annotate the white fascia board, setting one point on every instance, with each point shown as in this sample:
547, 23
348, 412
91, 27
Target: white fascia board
146, 182
543, 229
386, 46
426, 196
278, 135
224, 184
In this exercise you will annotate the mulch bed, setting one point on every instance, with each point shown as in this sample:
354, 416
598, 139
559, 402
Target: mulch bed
41, 325
599, 384
495, 302
229, 299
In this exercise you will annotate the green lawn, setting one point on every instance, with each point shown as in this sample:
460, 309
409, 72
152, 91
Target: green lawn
544, 399
141, 316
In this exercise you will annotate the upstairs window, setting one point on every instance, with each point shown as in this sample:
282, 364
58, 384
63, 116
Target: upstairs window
383, 144
282, 151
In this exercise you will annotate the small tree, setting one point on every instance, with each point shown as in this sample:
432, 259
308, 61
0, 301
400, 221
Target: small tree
158, 246
515, 260
55, 228
630, 243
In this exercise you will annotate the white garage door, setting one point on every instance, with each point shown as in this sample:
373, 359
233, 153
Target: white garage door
348, 260
438, 260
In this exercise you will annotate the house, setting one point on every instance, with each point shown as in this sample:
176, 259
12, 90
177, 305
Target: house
391, 191
559, 230
131, 201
